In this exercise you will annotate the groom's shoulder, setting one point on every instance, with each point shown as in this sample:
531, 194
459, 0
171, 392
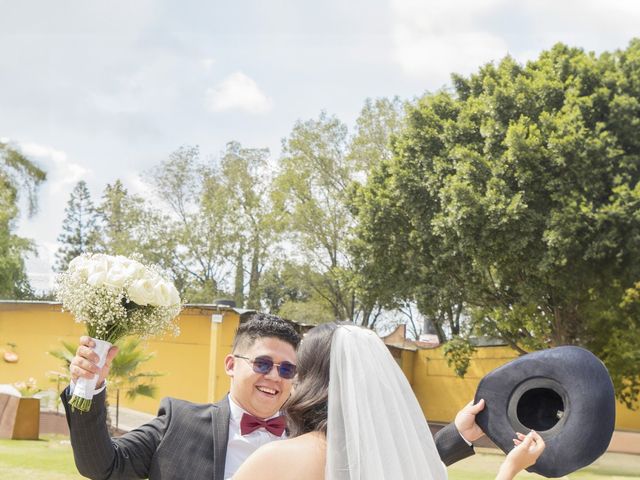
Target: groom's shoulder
177, 407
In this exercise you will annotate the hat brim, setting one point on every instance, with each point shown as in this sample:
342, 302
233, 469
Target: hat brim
563, 393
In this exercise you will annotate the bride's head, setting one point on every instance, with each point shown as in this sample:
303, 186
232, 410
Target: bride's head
346, 378
306, 409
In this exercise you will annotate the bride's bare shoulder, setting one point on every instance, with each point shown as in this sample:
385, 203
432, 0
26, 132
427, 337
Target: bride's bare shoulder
295, 458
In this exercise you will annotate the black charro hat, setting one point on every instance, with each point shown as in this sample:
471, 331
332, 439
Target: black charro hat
565, 394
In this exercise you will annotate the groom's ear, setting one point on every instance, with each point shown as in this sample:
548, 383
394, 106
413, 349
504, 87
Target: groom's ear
229, 364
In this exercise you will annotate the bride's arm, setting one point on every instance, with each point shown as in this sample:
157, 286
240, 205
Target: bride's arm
522, 456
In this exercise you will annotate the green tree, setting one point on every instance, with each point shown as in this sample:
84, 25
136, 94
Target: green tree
379, 121
18, 175
246, 178
288, 289
199, 224
125, 375
310, 192
320, 163
515, 197
120, 219
127, 224
79, 231
283, 283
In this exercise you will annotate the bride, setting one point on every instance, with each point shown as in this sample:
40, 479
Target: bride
353, 416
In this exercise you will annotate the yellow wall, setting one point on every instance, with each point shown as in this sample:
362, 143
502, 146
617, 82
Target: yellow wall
185, 360
206, 336
442, 394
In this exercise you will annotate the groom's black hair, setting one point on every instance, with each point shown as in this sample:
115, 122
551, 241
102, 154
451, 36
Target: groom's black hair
261, 325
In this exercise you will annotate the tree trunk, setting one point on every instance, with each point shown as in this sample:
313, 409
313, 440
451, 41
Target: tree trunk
254, 277
238, 293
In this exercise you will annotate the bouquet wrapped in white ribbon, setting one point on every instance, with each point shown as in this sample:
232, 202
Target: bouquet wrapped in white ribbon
115, 296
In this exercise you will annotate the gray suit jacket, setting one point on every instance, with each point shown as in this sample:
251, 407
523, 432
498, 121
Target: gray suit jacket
185, 441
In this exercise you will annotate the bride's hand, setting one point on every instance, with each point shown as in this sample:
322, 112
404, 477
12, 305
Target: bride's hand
528, 449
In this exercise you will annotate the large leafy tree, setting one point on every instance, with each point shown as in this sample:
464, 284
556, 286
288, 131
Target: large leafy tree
18, 175
515, 198
319, 165
310, 191
246, 179
200, 222
127, 224
79, 230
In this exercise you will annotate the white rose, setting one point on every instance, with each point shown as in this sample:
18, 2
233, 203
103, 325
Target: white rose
97, 270
166, 294
143, 291
135, 269
174, 296
96, 279
78, 268
77, 263
160, 294
131, 268
116, 277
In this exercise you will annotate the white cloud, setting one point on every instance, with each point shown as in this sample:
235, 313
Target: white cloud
61, 172
433, 39
137, 186
40, 267
238, 92
591, 24
207, 64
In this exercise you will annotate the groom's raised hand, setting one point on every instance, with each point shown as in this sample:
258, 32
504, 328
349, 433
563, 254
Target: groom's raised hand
466, 421
84, 364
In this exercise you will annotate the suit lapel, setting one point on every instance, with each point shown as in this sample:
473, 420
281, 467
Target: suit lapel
220, 415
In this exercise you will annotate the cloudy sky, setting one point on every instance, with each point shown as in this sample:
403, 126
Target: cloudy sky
99, 90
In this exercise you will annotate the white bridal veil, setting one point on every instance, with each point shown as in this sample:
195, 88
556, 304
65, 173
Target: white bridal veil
376, 428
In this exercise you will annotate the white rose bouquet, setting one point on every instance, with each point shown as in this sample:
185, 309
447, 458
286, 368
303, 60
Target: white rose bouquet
115, 296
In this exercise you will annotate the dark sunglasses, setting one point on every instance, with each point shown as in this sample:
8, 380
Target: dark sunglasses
263, 365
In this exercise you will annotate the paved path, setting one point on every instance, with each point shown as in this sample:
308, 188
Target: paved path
625, 442
622, 441
129, 419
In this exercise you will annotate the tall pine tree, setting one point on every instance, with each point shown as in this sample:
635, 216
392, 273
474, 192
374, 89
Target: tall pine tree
78, 228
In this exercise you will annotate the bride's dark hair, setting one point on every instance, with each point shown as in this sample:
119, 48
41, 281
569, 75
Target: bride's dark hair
306, 409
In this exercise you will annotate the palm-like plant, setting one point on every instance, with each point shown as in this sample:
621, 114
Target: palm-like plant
123, 375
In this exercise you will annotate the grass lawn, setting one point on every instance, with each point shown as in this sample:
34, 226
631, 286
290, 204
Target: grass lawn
50, 458
484, 465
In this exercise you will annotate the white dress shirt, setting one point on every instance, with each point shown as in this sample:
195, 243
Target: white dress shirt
239, 447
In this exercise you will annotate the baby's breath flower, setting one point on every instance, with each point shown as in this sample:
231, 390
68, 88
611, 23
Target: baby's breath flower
117, 296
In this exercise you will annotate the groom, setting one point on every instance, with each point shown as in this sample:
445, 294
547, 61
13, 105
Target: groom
210, 441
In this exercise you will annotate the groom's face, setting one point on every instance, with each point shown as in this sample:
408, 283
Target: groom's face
261, 395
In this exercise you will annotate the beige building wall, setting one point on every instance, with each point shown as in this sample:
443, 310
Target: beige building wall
193, 362
206, 335
442, 394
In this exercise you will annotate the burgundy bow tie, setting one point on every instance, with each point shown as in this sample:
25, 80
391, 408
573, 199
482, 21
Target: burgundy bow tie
249, 423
